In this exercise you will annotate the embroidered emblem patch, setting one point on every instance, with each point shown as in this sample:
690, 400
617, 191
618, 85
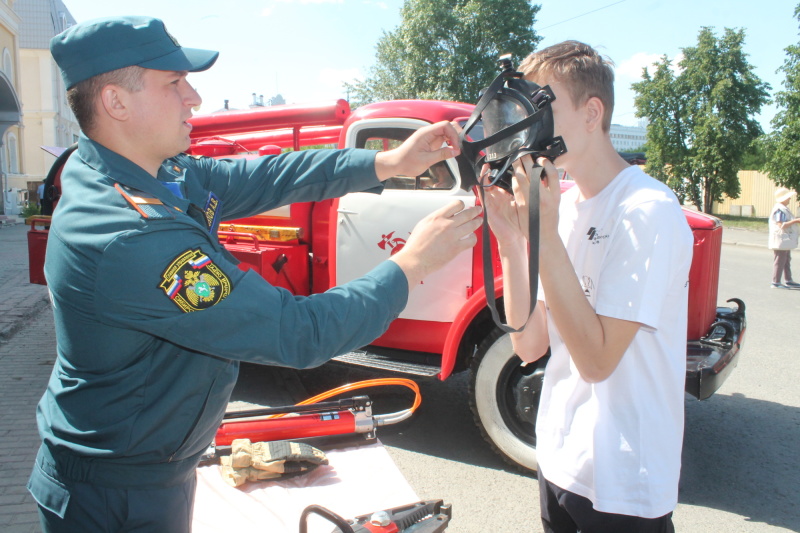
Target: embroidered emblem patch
194, 282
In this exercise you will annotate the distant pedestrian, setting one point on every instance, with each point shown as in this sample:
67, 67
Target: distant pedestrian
783, 235
40, 194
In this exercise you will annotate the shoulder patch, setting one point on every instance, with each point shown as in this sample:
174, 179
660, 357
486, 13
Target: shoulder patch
194, 282
146, 205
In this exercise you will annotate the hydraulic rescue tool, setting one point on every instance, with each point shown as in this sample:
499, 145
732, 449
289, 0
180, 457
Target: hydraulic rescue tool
431, 516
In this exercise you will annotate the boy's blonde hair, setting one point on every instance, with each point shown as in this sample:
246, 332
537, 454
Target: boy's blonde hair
583, 71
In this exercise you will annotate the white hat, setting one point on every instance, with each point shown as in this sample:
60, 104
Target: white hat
783, 194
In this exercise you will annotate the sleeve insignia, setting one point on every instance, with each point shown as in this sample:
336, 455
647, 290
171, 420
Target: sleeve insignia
194, 282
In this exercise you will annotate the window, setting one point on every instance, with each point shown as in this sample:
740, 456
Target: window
12, 158
437, 177
8, 65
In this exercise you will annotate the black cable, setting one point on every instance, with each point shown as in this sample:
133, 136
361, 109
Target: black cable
332, 517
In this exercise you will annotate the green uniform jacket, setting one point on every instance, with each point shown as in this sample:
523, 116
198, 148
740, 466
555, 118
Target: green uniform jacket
153, 315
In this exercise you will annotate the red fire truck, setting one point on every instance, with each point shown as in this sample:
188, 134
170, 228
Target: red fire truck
446, 327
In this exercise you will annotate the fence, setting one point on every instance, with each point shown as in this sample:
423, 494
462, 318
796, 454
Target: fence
756, 199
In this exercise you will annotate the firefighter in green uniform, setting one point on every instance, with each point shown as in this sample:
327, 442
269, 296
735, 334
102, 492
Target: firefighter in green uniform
152, 315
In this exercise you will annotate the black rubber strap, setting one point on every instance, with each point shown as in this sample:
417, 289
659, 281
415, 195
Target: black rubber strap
533, 256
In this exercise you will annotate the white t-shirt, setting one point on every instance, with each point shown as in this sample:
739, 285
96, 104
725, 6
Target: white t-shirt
618, 442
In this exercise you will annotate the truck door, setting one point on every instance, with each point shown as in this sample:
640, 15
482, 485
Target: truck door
370, 227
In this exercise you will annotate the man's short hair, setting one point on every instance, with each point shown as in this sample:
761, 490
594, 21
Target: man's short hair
584, 72
83, 97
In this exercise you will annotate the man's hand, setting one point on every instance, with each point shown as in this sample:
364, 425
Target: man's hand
437, 239
420, 151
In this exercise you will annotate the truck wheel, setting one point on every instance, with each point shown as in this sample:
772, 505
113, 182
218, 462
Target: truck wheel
504, 398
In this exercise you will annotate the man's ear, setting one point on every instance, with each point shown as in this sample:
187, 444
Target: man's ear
594, 113
113, 100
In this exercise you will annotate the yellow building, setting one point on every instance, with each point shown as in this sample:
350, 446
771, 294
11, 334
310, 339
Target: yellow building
47, 119
10, 108
756, 199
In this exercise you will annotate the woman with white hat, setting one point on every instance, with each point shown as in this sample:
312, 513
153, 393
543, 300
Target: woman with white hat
782, 239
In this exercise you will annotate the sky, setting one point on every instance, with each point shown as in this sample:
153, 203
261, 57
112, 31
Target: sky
305, 49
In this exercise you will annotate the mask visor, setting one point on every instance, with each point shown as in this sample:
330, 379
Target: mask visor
501, 112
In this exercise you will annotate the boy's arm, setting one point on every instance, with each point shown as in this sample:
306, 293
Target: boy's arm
507, 215
531, 343
596, 343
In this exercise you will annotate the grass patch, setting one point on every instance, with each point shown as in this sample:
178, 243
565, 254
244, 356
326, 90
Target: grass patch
751, 223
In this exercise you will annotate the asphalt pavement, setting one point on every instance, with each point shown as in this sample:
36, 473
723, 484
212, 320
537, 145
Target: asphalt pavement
27, 353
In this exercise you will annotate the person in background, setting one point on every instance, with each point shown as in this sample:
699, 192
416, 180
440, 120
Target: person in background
783, 235
152, 314
614, 260
40, 194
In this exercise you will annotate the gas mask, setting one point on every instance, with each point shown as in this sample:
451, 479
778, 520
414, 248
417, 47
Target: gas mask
512, 118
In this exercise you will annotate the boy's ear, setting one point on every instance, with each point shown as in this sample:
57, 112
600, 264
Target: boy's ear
594, 113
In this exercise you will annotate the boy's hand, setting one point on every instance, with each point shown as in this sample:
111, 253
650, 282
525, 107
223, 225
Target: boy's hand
437, 239
549, 199
508, 214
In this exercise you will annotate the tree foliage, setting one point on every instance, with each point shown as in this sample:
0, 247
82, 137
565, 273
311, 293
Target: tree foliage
701, 119
447, 49
782, 146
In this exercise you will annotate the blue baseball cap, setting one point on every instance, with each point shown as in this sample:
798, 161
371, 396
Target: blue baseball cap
102, 45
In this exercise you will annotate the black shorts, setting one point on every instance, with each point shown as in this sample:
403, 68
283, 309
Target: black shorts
566, 512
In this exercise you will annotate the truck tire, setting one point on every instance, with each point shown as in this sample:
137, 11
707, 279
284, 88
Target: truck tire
504, 398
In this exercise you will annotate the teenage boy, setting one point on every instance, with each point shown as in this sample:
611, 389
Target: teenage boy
615, 253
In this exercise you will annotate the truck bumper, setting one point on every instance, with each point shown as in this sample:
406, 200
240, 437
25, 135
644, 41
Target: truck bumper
711, 359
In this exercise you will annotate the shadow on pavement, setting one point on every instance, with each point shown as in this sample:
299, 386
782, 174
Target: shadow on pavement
740, 455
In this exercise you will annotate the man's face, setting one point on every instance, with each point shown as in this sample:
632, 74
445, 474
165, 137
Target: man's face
160, 112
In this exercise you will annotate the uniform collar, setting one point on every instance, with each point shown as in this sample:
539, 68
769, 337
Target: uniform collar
127, 173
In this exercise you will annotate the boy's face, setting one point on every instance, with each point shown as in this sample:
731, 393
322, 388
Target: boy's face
569, 122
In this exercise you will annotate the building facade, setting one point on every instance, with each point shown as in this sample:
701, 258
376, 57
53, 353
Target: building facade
628, 138
47, 120
10, 107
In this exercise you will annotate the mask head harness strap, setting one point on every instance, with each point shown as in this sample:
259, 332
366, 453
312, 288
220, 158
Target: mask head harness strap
512, 118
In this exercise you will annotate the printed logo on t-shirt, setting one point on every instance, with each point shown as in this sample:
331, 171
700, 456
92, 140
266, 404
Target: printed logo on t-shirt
594, 236
588, 286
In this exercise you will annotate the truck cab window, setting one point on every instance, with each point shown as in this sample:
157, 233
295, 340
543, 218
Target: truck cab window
437, 177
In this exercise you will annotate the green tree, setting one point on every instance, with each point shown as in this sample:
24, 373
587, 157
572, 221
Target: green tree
659, 99
782, 146
754, 158
702, 119
447, 49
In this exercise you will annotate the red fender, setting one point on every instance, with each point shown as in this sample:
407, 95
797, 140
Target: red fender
475, 304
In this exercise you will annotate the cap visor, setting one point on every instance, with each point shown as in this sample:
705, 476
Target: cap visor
188, 59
